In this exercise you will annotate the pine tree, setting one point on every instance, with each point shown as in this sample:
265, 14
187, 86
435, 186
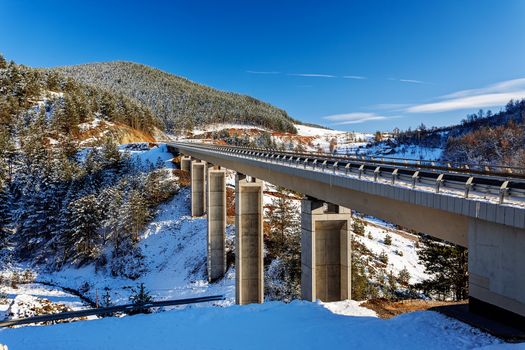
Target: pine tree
85, 221
5, 215
448, 266
3, 62
283, 236
140, 296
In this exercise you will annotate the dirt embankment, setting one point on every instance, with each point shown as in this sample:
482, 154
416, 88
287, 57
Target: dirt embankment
388, 308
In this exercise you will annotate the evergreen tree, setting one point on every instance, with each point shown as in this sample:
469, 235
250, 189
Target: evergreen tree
5, 215
283, 239
85, 220
140, 296
448, 266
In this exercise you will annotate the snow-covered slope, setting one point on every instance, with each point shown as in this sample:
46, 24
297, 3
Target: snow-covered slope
298, 325
174, 246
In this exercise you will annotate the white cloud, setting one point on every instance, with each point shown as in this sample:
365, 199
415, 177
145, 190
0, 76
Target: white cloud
497, 94
468, 102
412, 81
355, 118
502, 86
357, 77
312, 75
261, 72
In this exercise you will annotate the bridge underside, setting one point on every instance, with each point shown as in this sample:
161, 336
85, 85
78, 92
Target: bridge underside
496, 258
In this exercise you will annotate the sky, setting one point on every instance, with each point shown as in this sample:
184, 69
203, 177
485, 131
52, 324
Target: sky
350, 65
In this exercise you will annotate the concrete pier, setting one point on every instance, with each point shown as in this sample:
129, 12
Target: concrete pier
198, 193
496, 279
249, 266
216, 210
185, 163
325, 251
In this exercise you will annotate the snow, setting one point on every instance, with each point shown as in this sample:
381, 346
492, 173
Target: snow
145, 154
409, 152
95, 123
348, 308
23, 300
222, 126
273, 325
396, 262
175, 246
347, 142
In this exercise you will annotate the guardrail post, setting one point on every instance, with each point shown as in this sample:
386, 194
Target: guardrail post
377, 171
439, 182
503, 191
468, 186
394, 176
415, 178
361, 170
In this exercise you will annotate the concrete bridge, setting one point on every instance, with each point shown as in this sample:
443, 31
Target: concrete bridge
479, 208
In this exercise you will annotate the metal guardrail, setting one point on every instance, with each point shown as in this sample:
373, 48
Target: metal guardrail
464, 178
109, 310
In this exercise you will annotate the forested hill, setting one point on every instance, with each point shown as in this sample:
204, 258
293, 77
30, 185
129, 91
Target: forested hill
180, 103
484, 137
64, 104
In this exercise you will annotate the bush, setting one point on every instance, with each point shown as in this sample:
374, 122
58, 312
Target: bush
404, 277
388, 240
140, 296
383, 257
358, 227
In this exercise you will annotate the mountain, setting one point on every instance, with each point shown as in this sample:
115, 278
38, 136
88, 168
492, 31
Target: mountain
68, 107
180, 103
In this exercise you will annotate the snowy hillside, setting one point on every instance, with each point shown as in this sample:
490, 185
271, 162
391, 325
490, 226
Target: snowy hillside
299, 325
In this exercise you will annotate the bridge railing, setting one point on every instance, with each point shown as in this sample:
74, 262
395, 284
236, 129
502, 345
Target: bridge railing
465, 180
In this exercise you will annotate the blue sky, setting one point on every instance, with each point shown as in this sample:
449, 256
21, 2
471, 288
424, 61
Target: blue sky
351, 65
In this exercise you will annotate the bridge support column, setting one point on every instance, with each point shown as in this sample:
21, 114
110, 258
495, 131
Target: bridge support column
249, 266
216, 223
325, 251
198, 193
496, 279
185, 163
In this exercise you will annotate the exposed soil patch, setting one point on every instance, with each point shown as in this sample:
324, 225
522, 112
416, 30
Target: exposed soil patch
388, 309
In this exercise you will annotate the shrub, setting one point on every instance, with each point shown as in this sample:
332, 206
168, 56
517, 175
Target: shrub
358, 227
388, 240
404, 277
383, 257
140, 296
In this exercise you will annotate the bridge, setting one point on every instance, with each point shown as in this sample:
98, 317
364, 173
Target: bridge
478, 207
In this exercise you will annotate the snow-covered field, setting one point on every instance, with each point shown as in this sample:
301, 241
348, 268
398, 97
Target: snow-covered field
274, 325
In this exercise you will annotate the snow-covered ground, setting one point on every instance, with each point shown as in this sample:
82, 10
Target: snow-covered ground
344, 141
274, 325
174, 245
28, 299
402, 252
410, 152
